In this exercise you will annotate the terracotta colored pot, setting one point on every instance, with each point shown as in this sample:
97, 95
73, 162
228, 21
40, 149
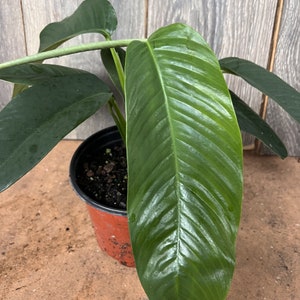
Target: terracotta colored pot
110, 224
112, 235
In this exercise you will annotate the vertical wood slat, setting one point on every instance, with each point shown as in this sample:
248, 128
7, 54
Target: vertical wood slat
12, 39
286, 66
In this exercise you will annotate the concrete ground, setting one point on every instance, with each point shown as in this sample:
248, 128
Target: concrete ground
48, 249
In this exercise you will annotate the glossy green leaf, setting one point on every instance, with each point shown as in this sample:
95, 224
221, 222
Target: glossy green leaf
268, 83
29, 74
34, 73
37, 119
185, 166
111, 67
250, 122
92, 16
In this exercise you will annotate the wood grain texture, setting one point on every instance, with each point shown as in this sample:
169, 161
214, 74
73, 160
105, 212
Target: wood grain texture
287, 66
232, 28
12, 39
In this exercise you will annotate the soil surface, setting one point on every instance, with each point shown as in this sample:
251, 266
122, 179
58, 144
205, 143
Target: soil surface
48, 248
104, 178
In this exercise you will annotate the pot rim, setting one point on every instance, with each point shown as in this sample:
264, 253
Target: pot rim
107, 133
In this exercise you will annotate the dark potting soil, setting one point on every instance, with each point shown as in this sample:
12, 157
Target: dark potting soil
104, 178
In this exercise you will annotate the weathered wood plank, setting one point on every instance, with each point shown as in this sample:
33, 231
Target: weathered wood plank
12, 40
287, 67
232, 28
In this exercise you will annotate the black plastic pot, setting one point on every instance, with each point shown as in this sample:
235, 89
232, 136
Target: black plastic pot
110, 224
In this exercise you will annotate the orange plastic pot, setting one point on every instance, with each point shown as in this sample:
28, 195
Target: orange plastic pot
112, 234
110, 224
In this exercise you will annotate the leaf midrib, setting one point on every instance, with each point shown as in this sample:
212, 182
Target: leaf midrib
173, 147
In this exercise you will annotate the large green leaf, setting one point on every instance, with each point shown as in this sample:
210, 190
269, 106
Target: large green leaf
28, 74
33, 73
92, 16
185, 166
251, 122
268, 83
35, 120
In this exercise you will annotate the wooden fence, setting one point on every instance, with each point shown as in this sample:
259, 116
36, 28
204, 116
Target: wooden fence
245, 28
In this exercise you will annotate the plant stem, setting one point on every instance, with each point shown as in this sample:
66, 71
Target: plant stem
66, 51
119, 66
118, 117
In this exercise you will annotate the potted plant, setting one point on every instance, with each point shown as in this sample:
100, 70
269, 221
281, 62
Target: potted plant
98, 173
182, 137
